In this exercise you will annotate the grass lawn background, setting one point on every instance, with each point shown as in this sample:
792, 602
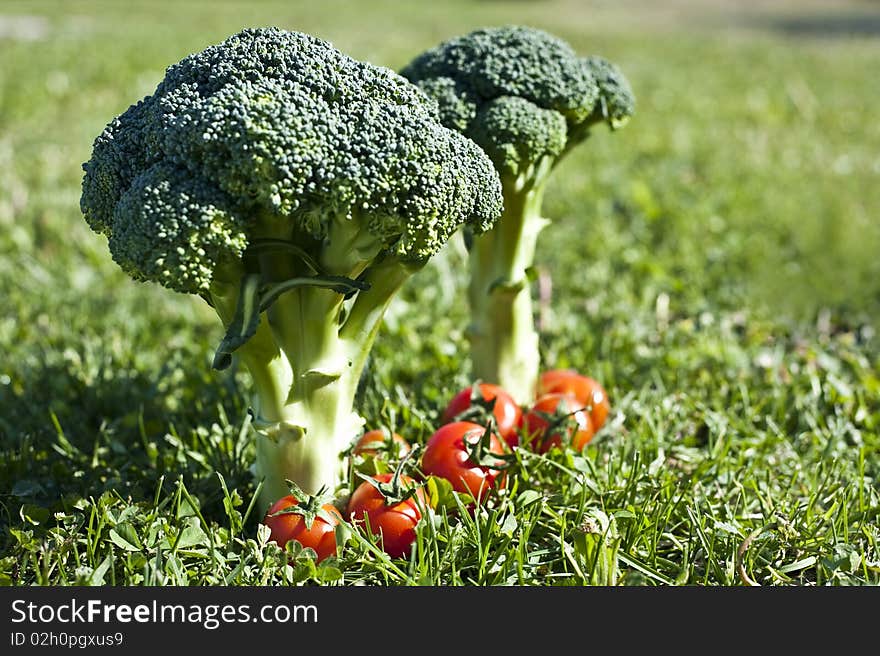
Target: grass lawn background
715, 264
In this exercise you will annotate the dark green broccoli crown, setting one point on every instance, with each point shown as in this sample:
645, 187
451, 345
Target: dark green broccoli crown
174, 229
616, 102
515, 133
512, 61
272, 123
468, 76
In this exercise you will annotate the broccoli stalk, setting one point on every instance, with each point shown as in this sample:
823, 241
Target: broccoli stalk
306, 375
527, 99
504, 341
295, 190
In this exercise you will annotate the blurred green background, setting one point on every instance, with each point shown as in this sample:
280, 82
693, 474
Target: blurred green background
751, 172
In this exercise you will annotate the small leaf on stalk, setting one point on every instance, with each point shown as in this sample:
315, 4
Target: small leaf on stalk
192, 535
507, 286
244, 324
342, 533
339, 284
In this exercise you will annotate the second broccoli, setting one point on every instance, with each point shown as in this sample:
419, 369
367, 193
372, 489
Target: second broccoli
527, 99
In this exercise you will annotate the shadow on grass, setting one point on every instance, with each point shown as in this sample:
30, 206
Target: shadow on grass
64, 436
828, 26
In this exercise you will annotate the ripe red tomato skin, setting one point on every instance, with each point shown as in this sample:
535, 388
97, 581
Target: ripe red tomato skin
586, 390
395, 523
506, 411
291, 526
446, 456
378, 435
534, 426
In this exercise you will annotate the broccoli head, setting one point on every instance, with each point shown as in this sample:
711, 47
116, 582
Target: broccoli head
547, 93
295, 189
527, 98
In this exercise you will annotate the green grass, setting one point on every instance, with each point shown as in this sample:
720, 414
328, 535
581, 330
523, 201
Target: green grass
714, 264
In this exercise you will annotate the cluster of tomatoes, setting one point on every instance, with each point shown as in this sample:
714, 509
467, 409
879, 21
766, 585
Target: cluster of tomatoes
480, 428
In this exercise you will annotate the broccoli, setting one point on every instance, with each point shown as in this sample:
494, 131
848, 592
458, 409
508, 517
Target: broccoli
527, 99
294, 189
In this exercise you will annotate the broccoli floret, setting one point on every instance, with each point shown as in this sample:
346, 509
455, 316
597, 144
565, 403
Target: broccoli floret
527, 99
517, 134
295, 189
616, 100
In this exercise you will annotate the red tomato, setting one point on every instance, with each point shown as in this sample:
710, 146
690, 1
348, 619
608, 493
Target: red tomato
506, 410
394, 523
375, 441
554, 417
292, 526
447, 455
585, 389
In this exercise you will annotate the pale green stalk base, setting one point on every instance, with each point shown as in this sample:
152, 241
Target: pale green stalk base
306, 360
502, 334
305, 447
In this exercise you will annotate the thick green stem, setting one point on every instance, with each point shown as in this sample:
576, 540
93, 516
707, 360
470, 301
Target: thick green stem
327, 360
327, 349
504, 341
306, 359
268, 368
317, 421
365, 315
